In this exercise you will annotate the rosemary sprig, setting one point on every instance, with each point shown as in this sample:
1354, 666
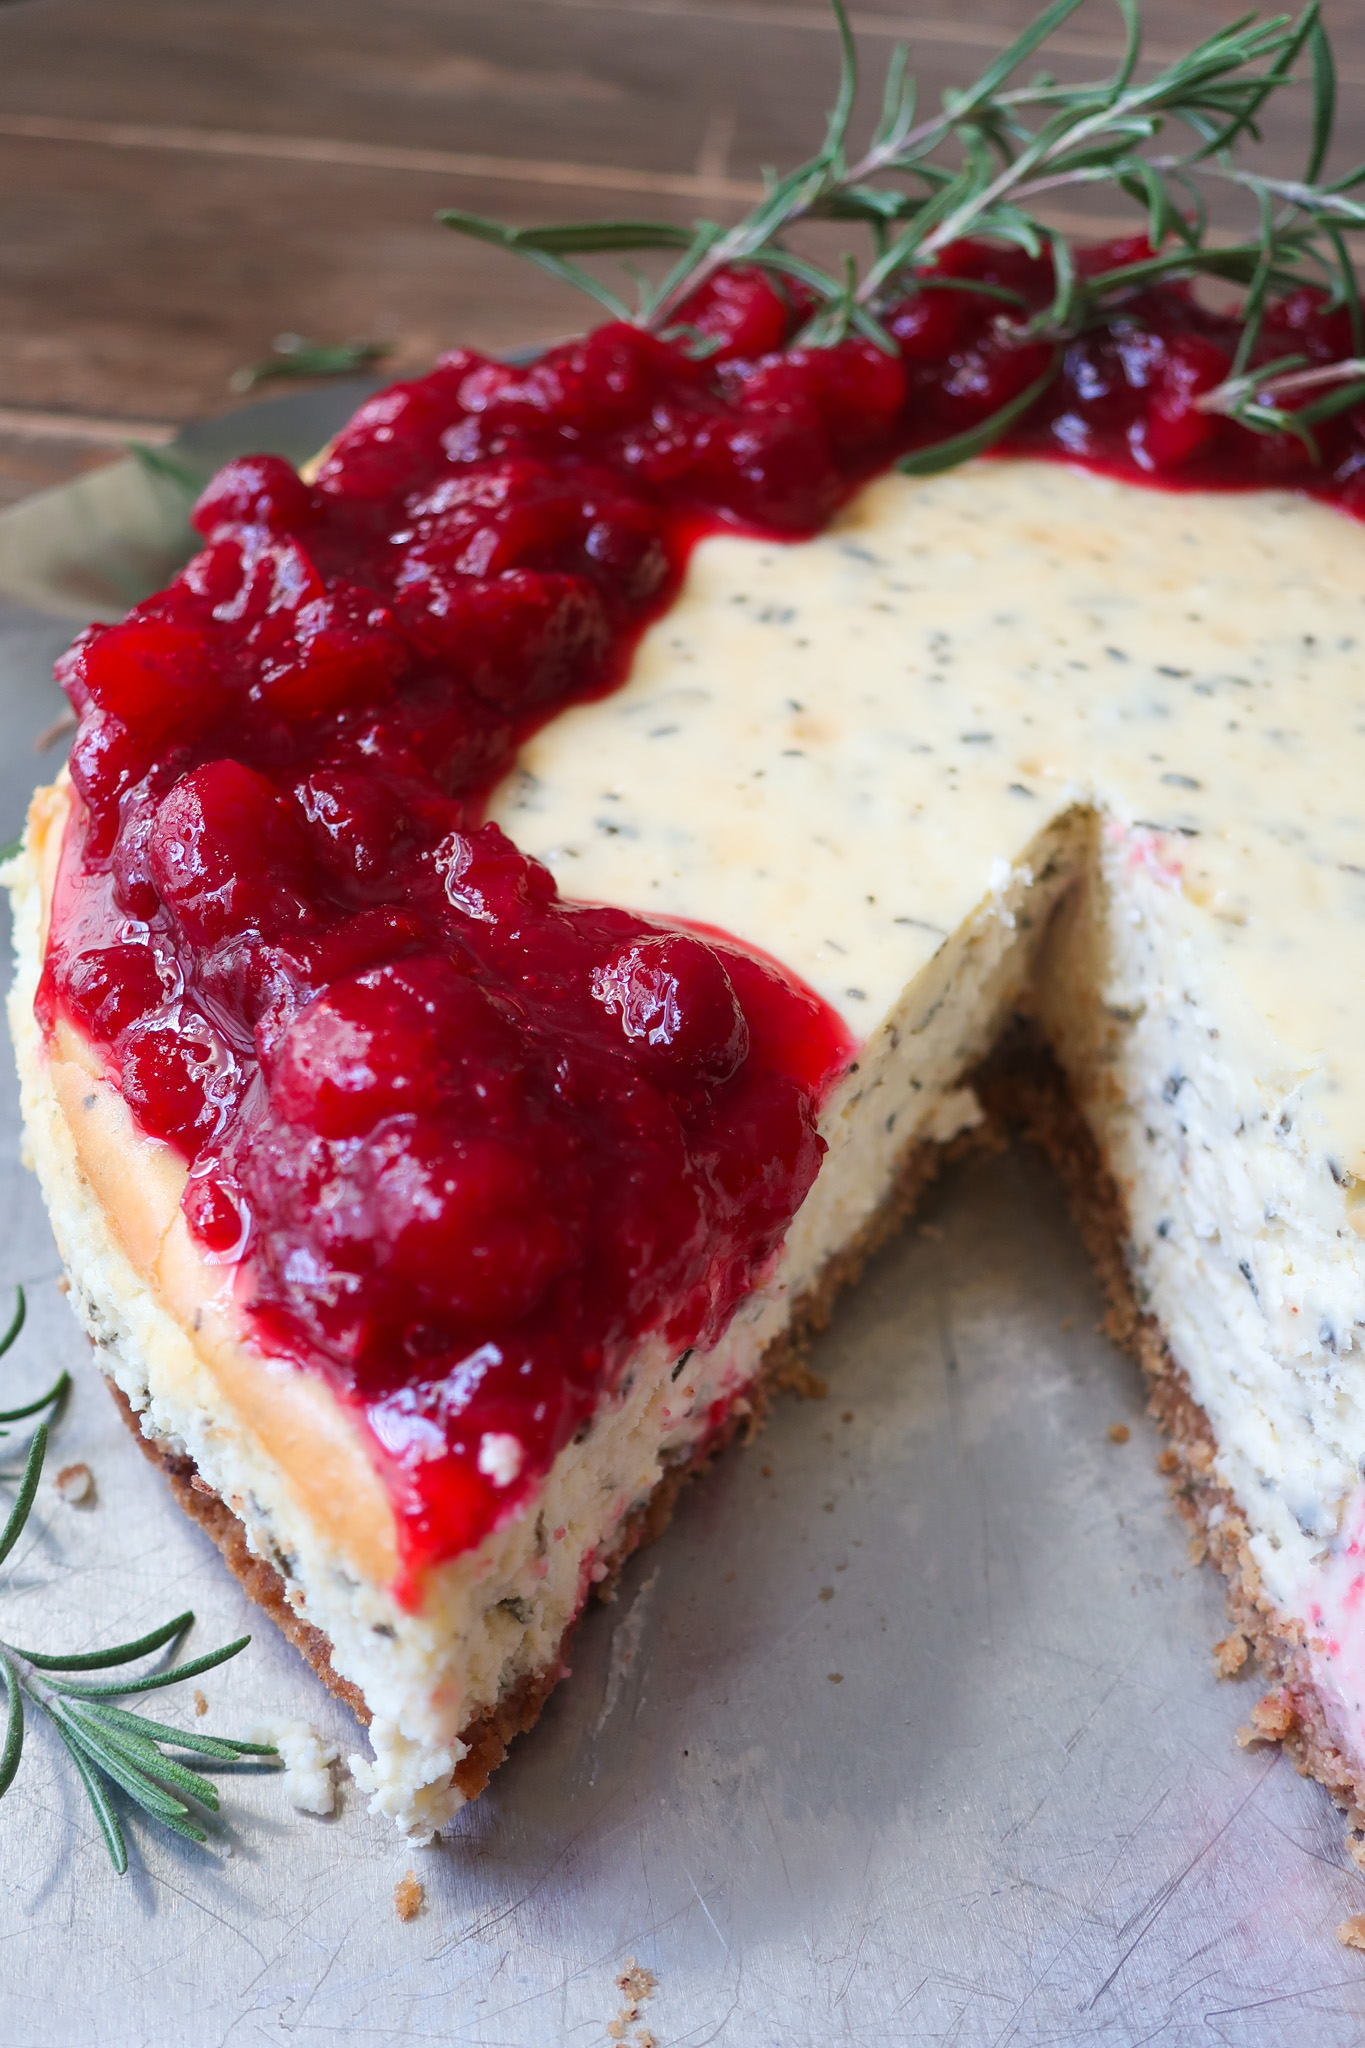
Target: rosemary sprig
1253, 398
981, 165
108, 1744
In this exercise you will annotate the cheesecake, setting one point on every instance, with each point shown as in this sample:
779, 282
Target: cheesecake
534, 899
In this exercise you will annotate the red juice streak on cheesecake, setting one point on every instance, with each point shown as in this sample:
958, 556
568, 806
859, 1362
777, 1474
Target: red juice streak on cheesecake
469, 1142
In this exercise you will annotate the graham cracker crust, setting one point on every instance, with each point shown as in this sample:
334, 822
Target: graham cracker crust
1025, 1095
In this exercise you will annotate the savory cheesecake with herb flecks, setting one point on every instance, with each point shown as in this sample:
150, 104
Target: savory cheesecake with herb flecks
532, 899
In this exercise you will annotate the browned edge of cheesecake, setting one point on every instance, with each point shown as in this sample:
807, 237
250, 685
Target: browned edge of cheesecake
1025, 1094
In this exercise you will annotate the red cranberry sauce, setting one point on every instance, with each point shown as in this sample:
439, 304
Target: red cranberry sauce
467, 1142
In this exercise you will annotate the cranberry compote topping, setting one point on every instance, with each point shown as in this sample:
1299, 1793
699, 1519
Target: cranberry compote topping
467, 1143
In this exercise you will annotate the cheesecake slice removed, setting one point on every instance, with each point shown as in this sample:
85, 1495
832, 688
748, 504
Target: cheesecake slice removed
526, 910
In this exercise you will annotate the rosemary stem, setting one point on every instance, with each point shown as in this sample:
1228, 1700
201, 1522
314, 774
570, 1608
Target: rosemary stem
902, 155
1233, 391
884, 159
36, 1688
1307, 198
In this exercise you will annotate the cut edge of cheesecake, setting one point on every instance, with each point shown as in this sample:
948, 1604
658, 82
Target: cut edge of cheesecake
1026, 1094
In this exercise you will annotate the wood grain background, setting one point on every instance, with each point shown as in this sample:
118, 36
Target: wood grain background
182, 180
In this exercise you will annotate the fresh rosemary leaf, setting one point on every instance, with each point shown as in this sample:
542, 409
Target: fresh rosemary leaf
942, 455
186, 1828
54, 1394
122, 1653
1324, 101
836, 129
704, 236
28, 1487
1327, 407
573, 238
59, 1386
156, 462
16, 1321
99, 1799
898, 101
1347, 289
12, 848
140, 1755
169, 1772
121, 1687
221, 1746
1012, 56
973, 287
14, 1724
104, 1741
115, 1763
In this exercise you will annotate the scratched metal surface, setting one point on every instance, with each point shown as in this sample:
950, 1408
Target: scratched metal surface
1018, 1816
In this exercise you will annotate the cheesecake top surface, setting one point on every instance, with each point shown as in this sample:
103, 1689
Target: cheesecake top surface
830, 748
463, 1138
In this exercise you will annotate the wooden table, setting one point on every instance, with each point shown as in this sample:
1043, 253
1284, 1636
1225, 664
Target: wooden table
182, 180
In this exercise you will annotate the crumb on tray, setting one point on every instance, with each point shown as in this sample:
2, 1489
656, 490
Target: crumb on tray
1231, 1654
201, 1705
408, 1896
1273, 1717
76, 1485
1119, 1432
1271, 1720
1351, 1933
307, 1759
635, 1982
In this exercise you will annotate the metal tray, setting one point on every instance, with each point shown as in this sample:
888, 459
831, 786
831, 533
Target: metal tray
906, 1731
